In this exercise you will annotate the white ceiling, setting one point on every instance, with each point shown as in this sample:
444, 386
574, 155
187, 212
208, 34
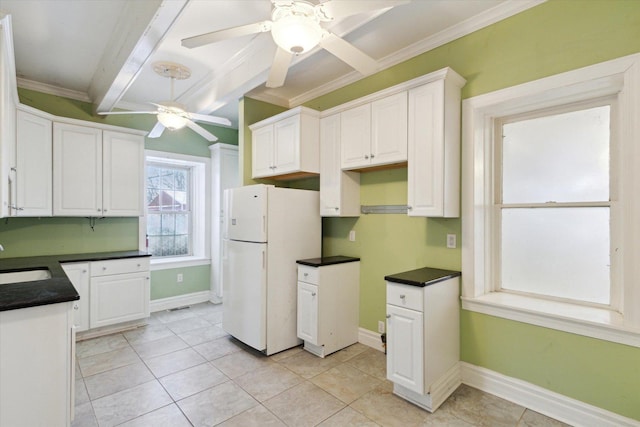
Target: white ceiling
101, 51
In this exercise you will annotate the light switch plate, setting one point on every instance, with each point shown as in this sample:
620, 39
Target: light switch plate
451, 241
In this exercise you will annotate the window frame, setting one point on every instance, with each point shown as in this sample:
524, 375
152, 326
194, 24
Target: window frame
200, 189
618, 78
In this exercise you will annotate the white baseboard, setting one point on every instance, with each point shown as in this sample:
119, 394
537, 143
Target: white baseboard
179, 301
541, 400
370, 338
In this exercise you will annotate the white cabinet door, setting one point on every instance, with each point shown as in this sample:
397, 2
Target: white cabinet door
123, 174
355, 136
77, 170
33, 165
119, 298
308, 312
339, 191
425, 169
405, 343
389, 129
286, 145
78, 273
262, 150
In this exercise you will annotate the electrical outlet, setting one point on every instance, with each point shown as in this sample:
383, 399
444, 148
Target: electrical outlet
352, 236
179, 278
451, 241
381, 326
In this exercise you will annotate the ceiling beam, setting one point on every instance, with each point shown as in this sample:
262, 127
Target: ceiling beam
141, 28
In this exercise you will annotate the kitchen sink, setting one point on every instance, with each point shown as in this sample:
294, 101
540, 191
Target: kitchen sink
24, 276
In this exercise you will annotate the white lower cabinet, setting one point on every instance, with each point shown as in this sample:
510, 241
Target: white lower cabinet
37, 366
111, 291
327, 318
423, 341
120, 291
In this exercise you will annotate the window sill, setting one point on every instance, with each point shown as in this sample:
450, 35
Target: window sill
178, 262
588, 321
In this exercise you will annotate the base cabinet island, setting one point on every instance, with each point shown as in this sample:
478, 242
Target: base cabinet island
423, 335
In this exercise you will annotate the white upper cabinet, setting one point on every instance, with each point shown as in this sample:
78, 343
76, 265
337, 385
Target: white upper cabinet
286, 145
339, 190
433, 172
77, 170
96, 174
375, 134
8, 102
122, 174
33, 166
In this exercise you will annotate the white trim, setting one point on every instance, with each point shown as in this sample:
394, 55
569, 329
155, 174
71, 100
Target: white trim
178, 301
53, 90
178, 262
370, 339
554, 405
619, 77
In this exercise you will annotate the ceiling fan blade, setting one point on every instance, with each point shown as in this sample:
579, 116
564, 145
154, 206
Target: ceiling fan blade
216, 36
157, 130
201, 131
210, 119
127, 112
335, 9
349, 53
279, 68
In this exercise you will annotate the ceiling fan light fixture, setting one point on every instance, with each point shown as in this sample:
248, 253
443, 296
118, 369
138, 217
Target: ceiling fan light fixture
296, 34
172, 121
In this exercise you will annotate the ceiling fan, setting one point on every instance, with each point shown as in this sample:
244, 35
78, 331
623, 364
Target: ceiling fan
173, 115
296, 28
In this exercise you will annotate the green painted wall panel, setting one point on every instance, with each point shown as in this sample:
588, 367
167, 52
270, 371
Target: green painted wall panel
23, 237
164, 282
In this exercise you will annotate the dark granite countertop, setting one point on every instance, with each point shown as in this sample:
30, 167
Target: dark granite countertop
50, 291
330, 260
422, 277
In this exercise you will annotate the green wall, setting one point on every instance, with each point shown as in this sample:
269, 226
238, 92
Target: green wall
51, 236
554, 37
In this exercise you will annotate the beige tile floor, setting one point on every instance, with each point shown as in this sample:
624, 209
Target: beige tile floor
184, 370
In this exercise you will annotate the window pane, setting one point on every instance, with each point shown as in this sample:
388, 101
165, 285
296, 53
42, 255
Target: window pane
182, 224
559, 158
153, 225
155, 245
182, 245
561, 252
168, 226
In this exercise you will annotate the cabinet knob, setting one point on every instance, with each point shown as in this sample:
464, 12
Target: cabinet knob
409, 208
313, 294
403, 296
75, 307
388, 316
366, 156
104, 210
99, 210
306, 274
336, 209
84, 271
104, 268
138, 265
372, 155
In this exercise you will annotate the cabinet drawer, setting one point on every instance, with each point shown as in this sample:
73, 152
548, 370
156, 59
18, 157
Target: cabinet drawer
308, 274
406, 296
120, 266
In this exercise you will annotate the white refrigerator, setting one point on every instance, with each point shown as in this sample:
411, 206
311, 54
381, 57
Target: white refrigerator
267, 229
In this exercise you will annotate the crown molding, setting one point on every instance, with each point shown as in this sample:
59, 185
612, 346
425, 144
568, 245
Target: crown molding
475, 23
53, 90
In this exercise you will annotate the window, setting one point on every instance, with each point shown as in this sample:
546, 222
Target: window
551, 217
175, 229
168, 201
553, 206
